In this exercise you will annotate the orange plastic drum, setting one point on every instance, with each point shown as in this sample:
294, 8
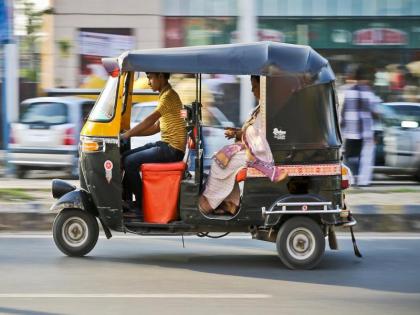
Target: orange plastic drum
161, 185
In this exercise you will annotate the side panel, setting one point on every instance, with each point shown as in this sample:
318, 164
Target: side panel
105, 186
300, 118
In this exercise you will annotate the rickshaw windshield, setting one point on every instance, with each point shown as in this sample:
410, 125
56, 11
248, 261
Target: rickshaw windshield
105, 105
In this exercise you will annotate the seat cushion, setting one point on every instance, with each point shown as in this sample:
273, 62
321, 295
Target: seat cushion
241, 175
162, 167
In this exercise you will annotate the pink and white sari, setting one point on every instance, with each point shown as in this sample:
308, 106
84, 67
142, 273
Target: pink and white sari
253, 151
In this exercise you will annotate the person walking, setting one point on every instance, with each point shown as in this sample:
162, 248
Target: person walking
357, 118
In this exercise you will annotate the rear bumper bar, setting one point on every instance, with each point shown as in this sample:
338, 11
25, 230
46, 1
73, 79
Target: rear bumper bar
307, 208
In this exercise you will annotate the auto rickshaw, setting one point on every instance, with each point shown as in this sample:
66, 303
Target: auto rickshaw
299, 107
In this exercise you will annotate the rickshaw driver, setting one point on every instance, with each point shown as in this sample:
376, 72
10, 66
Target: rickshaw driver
165, 118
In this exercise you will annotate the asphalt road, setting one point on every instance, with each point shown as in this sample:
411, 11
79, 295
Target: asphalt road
226, 276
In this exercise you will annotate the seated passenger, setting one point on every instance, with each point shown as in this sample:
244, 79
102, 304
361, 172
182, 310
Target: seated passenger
167, 120
222, 194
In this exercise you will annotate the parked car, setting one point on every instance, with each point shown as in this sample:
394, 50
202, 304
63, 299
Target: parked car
397, 137
214, 122
46, 136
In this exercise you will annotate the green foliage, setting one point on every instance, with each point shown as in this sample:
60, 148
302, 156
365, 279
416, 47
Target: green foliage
29, 45
64, 45
8, 194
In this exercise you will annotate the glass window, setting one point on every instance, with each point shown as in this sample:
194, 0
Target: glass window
406, 112
172, 7
140, 112
105, 106
294, 7
86, 109
220, 7
320, 8
394, 7
415, 8
45, 113
267, 7
344, 7
282, 7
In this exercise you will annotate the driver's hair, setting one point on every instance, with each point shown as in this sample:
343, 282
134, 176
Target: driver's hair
255, 77
166, 75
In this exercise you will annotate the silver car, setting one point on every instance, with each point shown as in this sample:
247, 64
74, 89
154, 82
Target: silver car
397, 137
214, 122
47, 134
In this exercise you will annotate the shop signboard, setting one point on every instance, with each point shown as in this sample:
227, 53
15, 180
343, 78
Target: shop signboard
320, 33
339, 33
96, 43
379, 36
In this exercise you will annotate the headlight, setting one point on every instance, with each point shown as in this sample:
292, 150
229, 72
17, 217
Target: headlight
409, 124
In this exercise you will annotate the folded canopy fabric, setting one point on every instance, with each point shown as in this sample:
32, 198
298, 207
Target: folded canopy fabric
261, 58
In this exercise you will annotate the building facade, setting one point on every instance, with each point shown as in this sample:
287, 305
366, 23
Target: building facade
79, 33
377, 32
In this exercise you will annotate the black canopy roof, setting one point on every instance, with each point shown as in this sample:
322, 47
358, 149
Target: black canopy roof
261, 58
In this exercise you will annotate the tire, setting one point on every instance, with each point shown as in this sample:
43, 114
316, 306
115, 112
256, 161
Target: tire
75, 232
416, 175
300, 231
20, 172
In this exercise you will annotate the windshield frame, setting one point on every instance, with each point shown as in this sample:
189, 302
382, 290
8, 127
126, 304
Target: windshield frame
102, 98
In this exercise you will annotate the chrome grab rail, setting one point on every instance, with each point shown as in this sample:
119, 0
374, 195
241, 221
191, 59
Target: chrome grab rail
305, 210
284, 206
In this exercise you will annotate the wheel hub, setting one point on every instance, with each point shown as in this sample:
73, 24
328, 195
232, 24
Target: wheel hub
300, 243
75, 231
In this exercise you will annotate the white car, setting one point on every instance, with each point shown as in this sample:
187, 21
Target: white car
46, 136
397, 137
214, 122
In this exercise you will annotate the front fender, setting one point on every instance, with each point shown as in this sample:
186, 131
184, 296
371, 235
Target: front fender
76, 199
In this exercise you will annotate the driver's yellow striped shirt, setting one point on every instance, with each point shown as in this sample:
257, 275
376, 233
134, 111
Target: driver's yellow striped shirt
172, 126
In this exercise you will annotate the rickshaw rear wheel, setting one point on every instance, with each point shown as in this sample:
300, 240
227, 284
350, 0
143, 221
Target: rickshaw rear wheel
300, 243
75, 232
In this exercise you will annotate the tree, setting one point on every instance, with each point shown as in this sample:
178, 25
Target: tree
29, 43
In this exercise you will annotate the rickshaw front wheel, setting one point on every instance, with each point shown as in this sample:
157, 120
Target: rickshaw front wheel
300, 243
75, 232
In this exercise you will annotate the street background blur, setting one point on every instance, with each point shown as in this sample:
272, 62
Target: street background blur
58, 44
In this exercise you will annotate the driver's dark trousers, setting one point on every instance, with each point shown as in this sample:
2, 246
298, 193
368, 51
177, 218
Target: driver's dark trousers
158, 152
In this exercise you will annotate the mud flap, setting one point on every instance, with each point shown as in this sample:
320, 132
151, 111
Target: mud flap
332, 238
353, 239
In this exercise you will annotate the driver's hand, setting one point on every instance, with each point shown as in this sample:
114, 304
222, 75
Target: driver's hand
124, 136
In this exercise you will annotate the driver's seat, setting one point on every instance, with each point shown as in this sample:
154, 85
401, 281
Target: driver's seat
161, 186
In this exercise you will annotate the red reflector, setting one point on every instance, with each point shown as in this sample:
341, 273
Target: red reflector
345, 177
114, 73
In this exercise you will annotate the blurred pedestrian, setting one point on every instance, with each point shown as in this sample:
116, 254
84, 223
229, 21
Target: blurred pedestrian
381, 82
358, 113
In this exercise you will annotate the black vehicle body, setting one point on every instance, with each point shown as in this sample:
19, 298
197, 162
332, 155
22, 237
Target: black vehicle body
299, 108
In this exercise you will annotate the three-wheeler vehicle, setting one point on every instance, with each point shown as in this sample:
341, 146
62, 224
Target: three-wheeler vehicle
299, 107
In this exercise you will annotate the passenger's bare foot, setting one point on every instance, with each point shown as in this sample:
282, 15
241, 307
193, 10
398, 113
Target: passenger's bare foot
204, 205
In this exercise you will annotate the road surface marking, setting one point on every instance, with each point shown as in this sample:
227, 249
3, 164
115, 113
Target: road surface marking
135, 296
359, 236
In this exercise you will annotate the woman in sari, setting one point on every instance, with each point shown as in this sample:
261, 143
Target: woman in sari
222, 193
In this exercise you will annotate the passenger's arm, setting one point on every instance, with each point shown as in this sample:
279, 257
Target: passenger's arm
142, 129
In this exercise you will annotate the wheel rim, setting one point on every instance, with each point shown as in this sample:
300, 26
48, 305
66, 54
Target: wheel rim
74, 231
301, 243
